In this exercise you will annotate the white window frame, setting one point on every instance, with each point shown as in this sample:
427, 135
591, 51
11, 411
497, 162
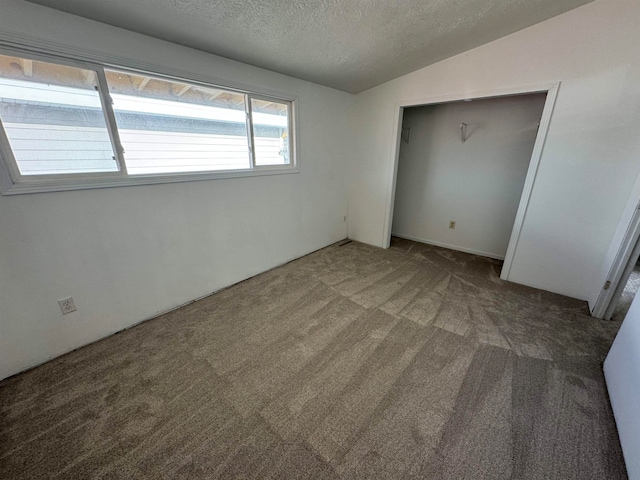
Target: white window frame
13, 182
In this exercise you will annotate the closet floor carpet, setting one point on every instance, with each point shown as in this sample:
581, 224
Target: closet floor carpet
352, 362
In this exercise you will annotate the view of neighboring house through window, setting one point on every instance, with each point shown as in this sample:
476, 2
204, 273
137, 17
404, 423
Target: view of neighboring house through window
168, 126
66, 118
270, 132
53, 118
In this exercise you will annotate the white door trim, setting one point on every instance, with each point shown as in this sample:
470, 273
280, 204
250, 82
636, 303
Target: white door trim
624, 248
551, 89
623, 278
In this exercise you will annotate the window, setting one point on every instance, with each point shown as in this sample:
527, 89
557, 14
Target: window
67, 124
270, 132
52, 117
168, 126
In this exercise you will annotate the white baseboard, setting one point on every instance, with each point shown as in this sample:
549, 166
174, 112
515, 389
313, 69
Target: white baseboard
449, 246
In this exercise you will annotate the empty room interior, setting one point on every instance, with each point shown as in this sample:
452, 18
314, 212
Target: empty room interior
342, 239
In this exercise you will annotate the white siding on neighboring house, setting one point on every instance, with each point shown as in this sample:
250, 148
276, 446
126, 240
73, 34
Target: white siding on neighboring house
149, 151
60, 148
67, 149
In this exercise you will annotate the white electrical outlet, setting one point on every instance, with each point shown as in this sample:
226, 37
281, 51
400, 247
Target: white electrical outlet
67, 305
452, 225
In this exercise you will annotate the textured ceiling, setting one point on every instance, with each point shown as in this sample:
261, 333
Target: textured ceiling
351, 45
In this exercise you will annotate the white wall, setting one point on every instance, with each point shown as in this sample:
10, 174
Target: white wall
622, 373
477, 184
127, 253
591, 156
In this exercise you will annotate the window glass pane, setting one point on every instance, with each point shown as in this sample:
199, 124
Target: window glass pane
53, 118
167, 126
270, 132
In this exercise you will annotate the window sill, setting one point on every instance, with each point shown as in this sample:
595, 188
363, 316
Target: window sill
8, 187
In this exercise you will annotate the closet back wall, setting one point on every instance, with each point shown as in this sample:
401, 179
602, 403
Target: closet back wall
476, 183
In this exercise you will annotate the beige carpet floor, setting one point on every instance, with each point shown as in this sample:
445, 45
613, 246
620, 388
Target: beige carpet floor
352, 362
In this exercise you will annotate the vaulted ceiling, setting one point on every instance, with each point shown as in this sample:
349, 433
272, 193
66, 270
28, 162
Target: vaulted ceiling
351, 45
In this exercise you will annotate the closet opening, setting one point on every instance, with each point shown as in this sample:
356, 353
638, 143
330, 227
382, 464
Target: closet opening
464, 171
